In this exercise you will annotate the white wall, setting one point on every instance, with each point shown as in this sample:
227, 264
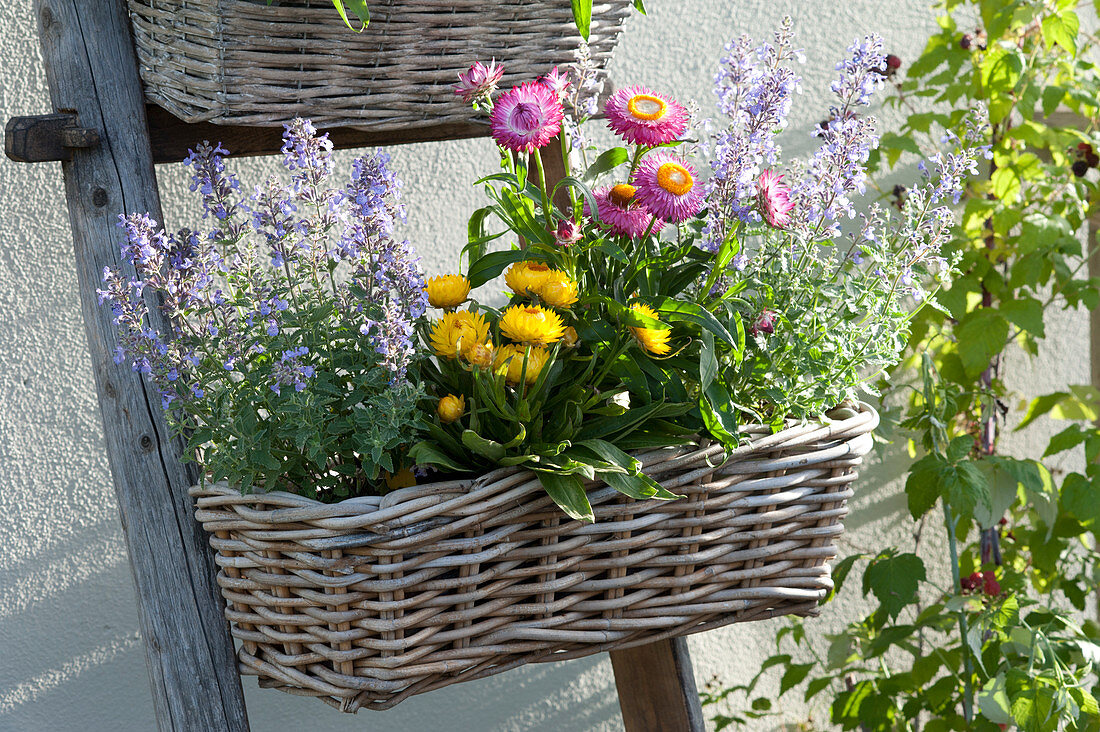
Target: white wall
70, 654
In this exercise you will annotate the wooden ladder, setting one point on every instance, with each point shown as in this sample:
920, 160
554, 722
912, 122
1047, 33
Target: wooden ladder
108, 141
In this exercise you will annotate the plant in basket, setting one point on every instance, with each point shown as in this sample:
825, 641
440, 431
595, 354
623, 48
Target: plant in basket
649, 305
289, 363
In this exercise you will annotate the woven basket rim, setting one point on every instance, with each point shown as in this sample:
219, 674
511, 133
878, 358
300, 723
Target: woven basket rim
295, 507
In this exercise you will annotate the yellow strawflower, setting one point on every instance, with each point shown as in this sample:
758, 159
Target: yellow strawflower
448, 291
480, 355
455, 333
451, 408
570, 338
525, 277
557, 290
509, 361
531, 324
400, 479
651, 339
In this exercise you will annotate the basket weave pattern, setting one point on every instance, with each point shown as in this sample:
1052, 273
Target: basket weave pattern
246, 62
371, 600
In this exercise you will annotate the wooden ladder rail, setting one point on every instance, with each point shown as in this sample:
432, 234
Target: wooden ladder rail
108, 141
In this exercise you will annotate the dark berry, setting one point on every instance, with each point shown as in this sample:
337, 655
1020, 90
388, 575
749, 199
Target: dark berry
893, 62
1084, 147
1092, 159
966, 41
990, 585
1080, 167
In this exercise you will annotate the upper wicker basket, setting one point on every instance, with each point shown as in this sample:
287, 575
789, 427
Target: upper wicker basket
246, 62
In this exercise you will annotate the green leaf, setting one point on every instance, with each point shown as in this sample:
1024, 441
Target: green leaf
678, 311
981, 336
1061, 29
639, 487
639, 5
426, 453
842, 569
894, 581
924, 486
491, 265
1006, 184
359, 7
993, 701
607, 160
486, 448
966, 488
1025, 313
568, 492
582, 16
1081, 500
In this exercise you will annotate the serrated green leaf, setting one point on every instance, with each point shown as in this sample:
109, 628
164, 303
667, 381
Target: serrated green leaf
894, 581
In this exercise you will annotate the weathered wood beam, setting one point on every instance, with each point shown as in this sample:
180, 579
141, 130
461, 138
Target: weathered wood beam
92, 73
46, 138
171, 138
656, 686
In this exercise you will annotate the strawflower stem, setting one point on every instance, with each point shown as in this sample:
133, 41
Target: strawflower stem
545, 195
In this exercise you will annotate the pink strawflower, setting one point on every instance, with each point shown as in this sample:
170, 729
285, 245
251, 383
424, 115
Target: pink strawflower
557, 82
569, 232
764, 323
526, 117
643, 117
620, 211
479, 81
667, 187
775, 199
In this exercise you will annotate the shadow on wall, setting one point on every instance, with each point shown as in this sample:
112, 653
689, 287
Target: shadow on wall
53, 665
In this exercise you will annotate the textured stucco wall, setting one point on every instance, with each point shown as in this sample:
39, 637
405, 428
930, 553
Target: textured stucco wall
70, 654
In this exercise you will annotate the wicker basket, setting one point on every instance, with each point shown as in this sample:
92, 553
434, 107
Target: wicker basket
246, 62
369, 601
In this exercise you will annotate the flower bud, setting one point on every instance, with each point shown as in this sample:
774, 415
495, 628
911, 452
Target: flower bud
569, 232
764, 323
451, 408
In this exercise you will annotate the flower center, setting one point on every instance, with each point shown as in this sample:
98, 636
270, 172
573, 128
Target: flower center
535, 313
647, 107
675, 179
621, 195
537, 267
525, 118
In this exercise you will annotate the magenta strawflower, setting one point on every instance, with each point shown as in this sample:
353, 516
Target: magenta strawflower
479, 81
643, 117
557, 82
620, 211
526, 117
667, 187
568, 232
775, 199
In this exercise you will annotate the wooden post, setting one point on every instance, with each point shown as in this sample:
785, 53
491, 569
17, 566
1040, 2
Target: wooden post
92, 73
655, 682
656, 688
